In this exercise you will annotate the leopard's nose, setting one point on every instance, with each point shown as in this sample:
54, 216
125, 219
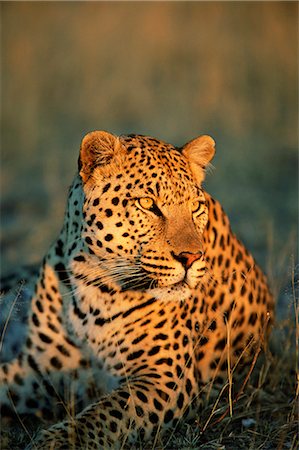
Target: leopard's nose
188, 258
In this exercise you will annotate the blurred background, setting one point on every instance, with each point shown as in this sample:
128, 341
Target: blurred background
172, 70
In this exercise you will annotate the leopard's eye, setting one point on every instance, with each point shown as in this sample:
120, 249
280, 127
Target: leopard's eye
197, 206
149, 204
146, 202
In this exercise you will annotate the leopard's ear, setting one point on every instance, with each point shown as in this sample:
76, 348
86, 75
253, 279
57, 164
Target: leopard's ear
199, 152
98, 148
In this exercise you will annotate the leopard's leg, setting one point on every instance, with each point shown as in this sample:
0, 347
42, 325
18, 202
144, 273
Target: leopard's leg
139, 410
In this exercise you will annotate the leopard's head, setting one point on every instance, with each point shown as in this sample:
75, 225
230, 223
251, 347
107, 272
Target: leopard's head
144, 213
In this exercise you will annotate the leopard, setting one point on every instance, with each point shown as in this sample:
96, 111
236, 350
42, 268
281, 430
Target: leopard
144, 304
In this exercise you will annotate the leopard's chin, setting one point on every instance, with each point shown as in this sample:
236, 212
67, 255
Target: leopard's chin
176, 292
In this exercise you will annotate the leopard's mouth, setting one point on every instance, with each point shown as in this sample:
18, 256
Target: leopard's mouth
153, 287
146, 282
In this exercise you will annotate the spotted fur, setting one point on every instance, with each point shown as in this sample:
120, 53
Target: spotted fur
144, 301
